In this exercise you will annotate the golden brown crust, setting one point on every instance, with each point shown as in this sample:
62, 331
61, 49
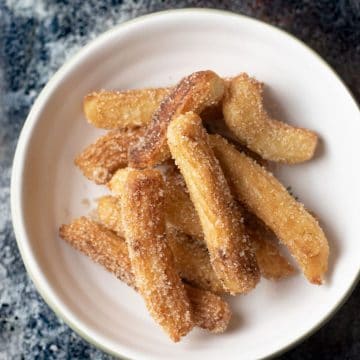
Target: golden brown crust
122, 109
209, 311
143, 220
218, 126
100, 160
130, 108
231, 254
194, 93
191, 256
245, 116
268, 199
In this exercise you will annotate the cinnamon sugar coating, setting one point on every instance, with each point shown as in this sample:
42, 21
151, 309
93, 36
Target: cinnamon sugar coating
231, 253
274, 140
100, 160
152, 262
268, 199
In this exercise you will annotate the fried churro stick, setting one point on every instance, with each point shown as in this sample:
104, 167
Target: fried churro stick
122, 109
191, 256
100, 160
130, 108
143, 220
245, 116
231, 254
272, 264
268, 199
208, 310
196, 92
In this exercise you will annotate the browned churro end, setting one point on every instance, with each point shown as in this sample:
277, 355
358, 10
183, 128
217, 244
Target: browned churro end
209, 310
99, 161
101, 245
195, 92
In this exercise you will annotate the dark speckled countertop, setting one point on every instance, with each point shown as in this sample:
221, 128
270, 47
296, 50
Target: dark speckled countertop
36, 37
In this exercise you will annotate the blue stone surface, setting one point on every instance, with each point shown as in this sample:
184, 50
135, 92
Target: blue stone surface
36, 37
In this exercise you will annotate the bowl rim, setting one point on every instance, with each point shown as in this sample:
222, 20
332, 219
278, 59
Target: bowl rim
16, 186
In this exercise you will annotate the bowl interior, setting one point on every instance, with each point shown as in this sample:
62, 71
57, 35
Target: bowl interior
48, 190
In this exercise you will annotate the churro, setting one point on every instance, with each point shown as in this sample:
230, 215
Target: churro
213, 227
196, 92
268, 199
208, 310
231, 254
143, 220
274, 140
130, 108
122, 109
100, 160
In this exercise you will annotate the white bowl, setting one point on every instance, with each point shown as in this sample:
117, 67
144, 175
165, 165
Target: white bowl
47, 190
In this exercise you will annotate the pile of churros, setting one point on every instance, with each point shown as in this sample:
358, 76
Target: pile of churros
193, 211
